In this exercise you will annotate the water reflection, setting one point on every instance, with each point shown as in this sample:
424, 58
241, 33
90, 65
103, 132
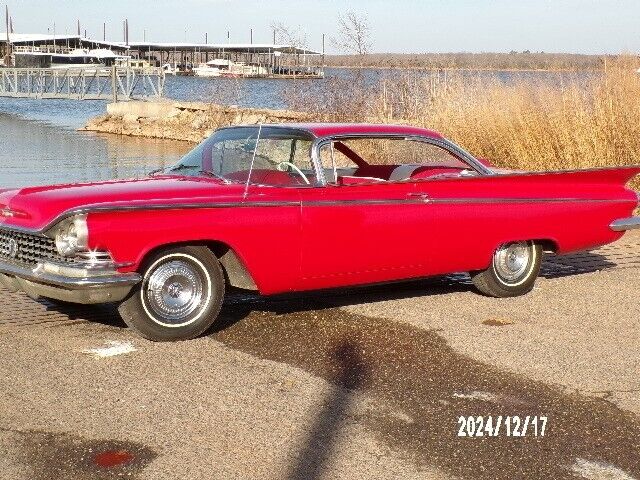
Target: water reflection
36, 153
33, 153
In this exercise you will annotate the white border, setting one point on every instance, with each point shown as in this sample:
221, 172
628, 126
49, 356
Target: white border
202, 310
533, 259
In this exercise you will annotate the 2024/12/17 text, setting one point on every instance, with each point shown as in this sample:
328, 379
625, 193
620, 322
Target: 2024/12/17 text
509, 426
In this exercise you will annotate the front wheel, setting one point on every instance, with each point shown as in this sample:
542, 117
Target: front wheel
180, 295
514, 269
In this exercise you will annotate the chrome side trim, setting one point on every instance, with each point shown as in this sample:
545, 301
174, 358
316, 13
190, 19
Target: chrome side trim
454, 201
127, 208
204, 206
527, 200
624, 224
338, 203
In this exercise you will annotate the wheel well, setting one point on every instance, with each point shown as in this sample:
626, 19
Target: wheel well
235, 272
547, 245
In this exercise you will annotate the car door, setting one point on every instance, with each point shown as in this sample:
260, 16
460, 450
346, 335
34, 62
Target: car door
275, 225
363, 232
274, 165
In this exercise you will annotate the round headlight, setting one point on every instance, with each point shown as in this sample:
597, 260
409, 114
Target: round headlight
72, 236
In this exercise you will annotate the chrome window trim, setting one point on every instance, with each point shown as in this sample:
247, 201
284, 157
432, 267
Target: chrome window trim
443, 143
452, 147
321, 181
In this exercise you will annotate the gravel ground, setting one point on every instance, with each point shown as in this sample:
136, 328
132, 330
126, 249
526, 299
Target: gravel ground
359, 383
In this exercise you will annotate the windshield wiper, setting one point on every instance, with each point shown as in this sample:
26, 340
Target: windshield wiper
209, 173
182, 166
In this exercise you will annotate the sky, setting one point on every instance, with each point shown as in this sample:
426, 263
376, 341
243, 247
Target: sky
401, 26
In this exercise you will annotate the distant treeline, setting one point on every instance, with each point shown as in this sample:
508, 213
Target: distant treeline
474, 61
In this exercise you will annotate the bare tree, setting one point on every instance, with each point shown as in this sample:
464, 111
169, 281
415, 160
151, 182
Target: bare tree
293, 37
354, 35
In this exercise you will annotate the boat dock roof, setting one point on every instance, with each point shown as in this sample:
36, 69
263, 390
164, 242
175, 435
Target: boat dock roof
263, 48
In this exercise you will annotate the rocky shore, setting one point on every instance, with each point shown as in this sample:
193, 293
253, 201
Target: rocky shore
188, 121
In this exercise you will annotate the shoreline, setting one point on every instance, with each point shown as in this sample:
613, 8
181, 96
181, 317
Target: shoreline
182, 121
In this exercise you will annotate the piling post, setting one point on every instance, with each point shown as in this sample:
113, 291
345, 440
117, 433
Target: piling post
8, 53
323, 54
114, 83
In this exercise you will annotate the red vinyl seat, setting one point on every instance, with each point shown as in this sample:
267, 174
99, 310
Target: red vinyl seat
269, 177
427, 172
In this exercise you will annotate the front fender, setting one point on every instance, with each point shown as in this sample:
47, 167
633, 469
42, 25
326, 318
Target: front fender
265, 240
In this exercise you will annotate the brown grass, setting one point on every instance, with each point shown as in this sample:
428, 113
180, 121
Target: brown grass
579, 123
474, 61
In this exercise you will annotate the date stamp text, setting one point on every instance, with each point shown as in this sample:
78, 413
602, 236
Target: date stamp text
507, 426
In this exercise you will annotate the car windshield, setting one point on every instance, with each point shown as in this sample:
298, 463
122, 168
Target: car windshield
262, 155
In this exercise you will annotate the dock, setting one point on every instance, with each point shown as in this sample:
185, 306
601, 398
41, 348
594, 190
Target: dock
82, 83
236, 60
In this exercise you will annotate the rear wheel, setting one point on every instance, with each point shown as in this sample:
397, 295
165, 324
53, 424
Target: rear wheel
179, 297
514, 269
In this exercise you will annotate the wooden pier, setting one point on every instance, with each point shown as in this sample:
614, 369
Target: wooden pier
82, 83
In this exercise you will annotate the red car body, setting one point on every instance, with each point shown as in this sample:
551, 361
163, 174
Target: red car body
331, 236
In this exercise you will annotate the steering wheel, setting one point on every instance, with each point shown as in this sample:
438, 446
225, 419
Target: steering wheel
282, 167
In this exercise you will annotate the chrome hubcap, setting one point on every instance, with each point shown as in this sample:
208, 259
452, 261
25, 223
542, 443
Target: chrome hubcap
511, 261
174, 291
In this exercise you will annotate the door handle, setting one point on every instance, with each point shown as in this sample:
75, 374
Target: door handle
416, 196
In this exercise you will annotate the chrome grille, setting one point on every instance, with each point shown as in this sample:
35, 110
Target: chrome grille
30, 250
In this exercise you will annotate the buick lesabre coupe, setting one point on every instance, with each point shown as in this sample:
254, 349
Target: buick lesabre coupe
281, 208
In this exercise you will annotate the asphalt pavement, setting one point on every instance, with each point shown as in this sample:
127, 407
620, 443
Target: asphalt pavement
375, 382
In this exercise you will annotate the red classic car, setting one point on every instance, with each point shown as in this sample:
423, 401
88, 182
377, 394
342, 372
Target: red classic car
280, 208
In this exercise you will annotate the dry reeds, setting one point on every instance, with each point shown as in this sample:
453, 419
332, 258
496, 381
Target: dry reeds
580, 121
475, 61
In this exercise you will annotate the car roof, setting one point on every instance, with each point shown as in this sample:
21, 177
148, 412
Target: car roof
321, 130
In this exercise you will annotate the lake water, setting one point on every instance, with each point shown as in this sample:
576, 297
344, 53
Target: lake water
40, 144
37, 153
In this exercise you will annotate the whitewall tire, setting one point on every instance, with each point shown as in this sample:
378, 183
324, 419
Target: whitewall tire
513, 271
180, 295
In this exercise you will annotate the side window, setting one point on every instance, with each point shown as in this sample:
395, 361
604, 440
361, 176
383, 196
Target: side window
386, 151
358, 160
289, 156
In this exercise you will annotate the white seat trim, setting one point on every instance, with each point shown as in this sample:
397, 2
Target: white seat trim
403, 172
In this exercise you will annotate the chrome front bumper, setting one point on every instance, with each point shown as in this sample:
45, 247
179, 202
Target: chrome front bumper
70, 283
624, 224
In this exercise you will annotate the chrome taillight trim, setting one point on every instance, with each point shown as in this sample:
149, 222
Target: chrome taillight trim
624, 224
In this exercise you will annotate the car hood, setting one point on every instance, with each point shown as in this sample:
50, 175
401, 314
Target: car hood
38, 207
